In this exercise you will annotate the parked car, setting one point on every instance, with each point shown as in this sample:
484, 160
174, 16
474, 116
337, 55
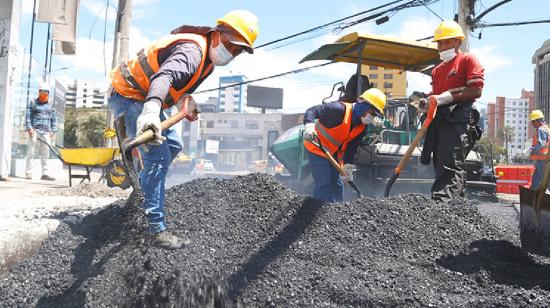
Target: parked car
203, 165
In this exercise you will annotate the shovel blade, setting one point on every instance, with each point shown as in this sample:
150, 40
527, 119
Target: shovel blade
534, 222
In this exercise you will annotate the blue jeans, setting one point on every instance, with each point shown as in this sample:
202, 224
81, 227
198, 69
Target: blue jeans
156, 160
328, 184
537, 175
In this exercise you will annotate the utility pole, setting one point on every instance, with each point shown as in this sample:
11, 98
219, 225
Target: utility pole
465, 11
121, 44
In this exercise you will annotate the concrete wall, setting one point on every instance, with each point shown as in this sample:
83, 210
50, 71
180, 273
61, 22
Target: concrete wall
9, 37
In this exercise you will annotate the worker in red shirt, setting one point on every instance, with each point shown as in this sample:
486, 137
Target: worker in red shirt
456, 83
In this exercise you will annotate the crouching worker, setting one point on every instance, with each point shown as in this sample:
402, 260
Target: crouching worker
145, 87
340, 126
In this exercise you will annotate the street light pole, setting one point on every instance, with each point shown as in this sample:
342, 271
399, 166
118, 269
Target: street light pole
465, 10
120, 50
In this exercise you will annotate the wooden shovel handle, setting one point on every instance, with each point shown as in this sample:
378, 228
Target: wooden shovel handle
149, 134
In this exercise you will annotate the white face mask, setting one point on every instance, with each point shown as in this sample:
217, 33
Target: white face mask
447, 55
367, 119
219, 55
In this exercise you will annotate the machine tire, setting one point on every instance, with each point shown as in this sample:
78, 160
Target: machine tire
116, 175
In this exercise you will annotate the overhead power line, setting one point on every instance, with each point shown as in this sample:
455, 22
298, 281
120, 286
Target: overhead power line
329, 24
267, 77
482, 14
507, 24
340, 27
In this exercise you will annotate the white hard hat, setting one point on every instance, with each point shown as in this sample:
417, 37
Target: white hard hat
44, 86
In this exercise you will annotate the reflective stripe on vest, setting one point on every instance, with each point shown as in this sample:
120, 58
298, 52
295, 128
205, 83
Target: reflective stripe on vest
133, 78
336, 139
543, 152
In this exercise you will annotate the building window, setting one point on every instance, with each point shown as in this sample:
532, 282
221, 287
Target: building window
209, 124
388, 85
234, 124
388, 76
373, 67
373, 76
252, 125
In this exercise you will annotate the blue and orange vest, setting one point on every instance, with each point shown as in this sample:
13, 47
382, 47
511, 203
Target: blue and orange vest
543, 152
336, 139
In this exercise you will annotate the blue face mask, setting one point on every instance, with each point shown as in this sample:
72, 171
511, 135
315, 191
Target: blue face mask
359, 109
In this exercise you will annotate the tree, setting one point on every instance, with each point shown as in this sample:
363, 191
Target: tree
488, 147
84, 128
70, 139
506, 136
90, 131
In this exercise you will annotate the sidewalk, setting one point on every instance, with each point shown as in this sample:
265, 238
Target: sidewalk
28, 210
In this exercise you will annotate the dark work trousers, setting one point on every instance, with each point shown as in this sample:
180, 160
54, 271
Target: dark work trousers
327, 181
450, 148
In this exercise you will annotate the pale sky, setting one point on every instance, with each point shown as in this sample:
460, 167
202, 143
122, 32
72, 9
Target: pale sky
505, 52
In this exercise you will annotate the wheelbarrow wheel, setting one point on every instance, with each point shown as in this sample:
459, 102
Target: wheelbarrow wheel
116, 175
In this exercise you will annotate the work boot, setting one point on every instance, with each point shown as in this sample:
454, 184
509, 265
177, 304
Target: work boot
168, 240
47, 178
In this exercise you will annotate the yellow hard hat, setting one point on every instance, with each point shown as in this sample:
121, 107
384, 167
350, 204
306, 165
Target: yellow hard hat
376, 98
536, 115
244, 22
448, 29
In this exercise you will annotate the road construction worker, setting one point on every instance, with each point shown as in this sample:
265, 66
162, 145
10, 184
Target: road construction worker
340, 126
41, 123
456, 83
145, 87
541, 142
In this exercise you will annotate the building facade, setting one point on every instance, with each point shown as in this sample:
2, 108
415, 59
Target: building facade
514, 114
232, 99
86, 94
242, 137
390, 81
541, 60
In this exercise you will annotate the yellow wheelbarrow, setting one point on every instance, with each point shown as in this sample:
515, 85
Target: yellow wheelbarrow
91, 158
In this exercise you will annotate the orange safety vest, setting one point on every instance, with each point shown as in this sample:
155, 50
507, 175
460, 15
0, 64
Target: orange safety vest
543, 152
133, 78
335, 139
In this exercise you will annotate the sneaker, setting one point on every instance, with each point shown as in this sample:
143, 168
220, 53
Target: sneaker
28, 176
168, 240
47, 178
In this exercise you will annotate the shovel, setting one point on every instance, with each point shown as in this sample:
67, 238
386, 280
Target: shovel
127, 145
535, 216
335, 164
432, 109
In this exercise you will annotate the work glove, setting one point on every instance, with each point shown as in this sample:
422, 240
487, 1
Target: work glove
378, 122
309, 132
444, 98
193, 111
348, 172
150, 119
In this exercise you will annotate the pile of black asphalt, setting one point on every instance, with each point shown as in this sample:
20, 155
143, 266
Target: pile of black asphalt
256, 243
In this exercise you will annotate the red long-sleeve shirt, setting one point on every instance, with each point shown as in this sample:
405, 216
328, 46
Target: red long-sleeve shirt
463, 71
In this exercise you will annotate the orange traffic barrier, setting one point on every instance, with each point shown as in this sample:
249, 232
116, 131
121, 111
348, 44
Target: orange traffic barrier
509, 178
